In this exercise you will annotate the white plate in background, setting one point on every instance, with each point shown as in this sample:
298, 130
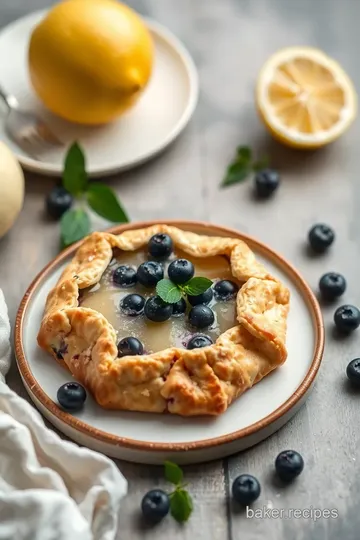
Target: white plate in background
145, 130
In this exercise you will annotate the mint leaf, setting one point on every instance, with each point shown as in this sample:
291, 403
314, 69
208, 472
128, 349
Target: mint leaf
244, 153
74, 176
181, 505
104, 202
173, 473
197, 285
168, 291
75, 224
261, 164
237, 172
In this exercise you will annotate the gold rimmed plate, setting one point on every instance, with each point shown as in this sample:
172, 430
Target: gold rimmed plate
151, 438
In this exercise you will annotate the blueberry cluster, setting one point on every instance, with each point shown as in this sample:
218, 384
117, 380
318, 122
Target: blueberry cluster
180, 271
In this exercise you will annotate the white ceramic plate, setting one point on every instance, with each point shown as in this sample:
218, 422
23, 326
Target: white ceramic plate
151, 438
150, 126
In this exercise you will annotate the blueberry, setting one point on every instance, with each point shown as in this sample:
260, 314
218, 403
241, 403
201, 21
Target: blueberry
246, 489
130, 346
321, 237
180, 271
201, 316
155, 505
203, 298
289, 464
71, 396
347, 318
266, 182
199, 341
225, 290
179, 307
58, 201
353, 372
132, 304
149, 273
157, 310
332, 285
125, 276
160, 246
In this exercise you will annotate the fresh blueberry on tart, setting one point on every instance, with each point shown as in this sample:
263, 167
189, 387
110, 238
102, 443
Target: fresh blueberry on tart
203, 298
130, 346
71, 396
225, 290
201, 316
179, 307
180, 271
160, 246
132, 304
157, 310
199, 341
125, 276
149, 273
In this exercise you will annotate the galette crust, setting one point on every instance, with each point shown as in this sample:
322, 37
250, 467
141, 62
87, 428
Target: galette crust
185, 382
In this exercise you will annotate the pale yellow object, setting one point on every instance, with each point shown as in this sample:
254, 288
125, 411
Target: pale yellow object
90, 60
305, 98
11, 189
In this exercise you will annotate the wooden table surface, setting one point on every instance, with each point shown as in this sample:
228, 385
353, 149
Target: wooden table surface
230, 40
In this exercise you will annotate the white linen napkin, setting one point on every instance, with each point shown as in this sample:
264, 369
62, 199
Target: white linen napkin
50, 489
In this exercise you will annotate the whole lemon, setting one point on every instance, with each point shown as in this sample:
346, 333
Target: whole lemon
89, 60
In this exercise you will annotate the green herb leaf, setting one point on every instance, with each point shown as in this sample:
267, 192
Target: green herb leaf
173, 473
244, 153
74, 176
197, 285
75, 224
168, 291
261, 164
104, 202
181, 505
237, 172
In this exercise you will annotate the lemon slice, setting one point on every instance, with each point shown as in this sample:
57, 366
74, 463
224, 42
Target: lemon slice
305, 98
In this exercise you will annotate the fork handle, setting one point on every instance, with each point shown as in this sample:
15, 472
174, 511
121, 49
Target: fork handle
10, 100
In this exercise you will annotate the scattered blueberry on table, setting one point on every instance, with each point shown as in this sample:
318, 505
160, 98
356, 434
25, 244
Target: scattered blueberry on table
155, 505
353, 372
288, 465
71, 396
347, 318
58, 201
321, 237
246, 489
332, 285
266, 182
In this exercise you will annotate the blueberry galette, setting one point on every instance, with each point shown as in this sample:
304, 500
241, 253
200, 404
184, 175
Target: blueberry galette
164, 320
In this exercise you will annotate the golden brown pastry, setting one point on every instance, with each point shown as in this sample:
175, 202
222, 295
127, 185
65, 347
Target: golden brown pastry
201, 381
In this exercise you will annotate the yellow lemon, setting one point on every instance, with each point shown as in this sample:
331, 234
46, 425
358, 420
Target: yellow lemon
305, 98
89, 60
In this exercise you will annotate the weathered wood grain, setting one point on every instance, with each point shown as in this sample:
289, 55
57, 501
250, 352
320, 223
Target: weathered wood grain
229, 40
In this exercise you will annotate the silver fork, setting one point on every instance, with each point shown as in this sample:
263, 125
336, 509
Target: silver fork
27, 130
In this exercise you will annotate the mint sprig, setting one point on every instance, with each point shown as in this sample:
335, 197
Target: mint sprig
242, 166
171, 293
75, 223
181, 504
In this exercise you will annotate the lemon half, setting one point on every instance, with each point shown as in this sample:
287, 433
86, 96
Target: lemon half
305, 98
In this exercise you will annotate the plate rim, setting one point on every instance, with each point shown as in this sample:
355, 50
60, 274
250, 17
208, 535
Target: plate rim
176, 46
103, 436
